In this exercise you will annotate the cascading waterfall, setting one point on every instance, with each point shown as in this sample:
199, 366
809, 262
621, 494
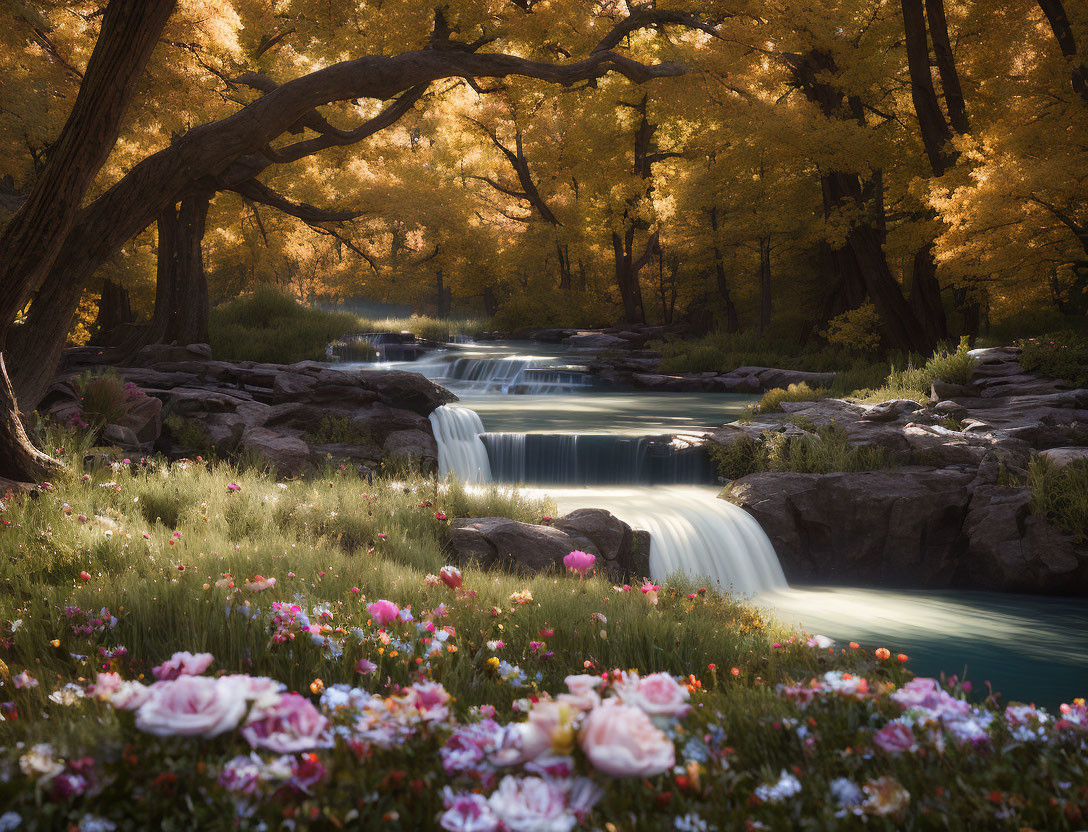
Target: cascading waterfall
460, 452
691, 531
530, 375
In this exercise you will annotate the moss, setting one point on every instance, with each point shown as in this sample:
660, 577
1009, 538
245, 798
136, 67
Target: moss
336, 430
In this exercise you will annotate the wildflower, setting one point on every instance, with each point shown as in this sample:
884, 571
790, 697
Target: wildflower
786, 787
291, 725
650, 590
24, 681
622, 741
451, 576
883, 653
820, 642
10, 821
84, 576
522, 596
902, 657
39, 762
259, 584
467, 812
193, 706
440, 515
886, 796
432, 580
183, 664
365, 666
579, 562
383, 612
895, 738
232, 487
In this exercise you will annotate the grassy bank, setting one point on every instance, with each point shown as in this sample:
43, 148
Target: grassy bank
113, 569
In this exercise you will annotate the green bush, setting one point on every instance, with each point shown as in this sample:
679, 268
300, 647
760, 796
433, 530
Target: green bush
1061, 355
271, 326
1061, 495
914, 382
826, 451
189, 434
103, 396
771, 402
337, 430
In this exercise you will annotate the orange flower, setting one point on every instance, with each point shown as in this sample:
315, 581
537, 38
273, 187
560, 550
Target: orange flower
854, 645
902, 657
883, 653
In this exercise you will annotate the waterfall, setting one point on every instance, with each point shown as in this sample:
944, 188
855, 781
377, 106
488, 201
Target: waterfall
460, 452
691, 531
516, 374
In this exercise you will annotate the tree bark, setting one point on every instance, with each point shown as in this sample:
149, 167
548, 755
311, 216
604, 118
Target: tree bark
765, 306
189, 324
33, 239
114, 310
934, 128
732, 323
946, 66
1063, 33
925, 295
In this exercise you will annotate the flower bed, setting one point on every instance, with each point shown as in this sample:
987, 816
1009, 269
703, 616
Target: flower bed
338, 673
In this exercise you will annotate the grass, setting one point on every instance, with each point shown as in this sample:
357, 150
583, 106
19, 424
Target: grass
102, 396
137, 556
271, 326
424, 326
1061, 495
771, 401
915, 381
825, 450
337, 430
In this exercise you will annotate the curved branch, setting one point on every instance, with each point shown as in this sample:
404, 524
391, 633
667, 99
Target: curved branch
254, 191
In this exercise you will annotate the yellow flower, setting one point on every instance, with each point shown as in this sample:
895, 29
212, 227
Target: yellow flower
493, 661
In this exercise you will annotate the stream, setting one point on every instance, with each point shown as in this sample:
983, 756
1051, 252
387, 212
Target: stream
529, 416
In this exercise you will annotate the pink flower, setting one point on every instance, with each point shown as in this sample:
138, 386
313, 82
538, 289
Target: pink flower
232, 486
292, 725
365, 666
928, 694
583, 694
192, 706
183, 664
440, 515
535, 803
622, 741
259, 583
430, 699
106, 685
660, 695
24, 680
579, 562
466, 812
894, 738
84, 576
650, 591
129, 696
451, 576
383, 612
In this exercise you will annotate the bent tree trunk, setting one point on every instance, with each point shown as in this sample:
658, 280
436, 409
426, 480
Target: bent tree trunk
31, 242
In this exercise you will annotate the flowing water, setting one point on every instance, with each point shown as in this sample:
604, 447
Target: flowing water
529, 415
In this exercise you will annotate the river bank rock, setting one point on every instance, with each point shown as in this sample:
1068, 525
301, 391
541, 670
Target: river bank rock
948, 516
294, 416
499, 542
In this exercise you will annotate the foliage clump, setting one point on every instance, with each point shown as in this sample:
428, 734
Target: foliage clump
104, 397
271, 326
857, 329
1061, 355
1061, 495
915, 380
771, 402
827, 450
337, 430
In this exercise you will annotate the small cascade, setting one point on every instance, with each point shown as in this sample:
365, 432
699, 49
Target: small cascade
691, 531
595, 459
526, 375
460, 452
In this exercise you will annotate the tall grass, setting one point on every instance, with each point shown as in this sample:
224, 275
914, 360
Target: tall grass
825, 451
272, 326
1061, 495
433, 329
915, 380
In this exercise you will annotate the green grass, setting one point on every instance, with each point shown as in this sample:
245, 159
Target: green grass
271, 326
102, 396
771, 401
1061, 495
336, 430
825, 450
915, 380
424, 326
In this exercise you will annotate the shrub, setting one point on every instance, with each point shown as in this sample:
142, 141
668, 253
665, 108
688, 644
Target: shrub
855, 329
914, 382
271, 326
336, 430
103, 395
1061, 355
1061, 495
424, 326
826, 451
189, 434
771, 402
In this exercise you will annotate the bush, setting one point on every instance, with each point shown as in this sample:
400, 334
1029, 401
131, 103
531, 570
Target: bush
1061, 495
855, 329
1061, 355
914, 382
771, 402
337, 430
104, 396
721, 352
271, 326
827, 451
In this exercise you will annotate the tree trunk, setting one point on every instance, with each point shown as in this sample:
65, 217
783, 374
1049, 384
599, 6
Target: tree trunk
935, 132
190, 320
563, 253
946, 66
1063, 32
114, 310
925, 295
732, 323
764, 283
622, 255
32, 240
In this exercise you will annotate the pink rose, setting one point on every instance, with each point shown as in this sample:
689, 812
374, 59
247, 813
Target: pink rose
383, 612
622, 741
579, 562
260, 690
292, 725
583, 694
451, 576
430, 699
192, 706
540, 733
106, 685
660, 695
183, 664
894, 738
129, 696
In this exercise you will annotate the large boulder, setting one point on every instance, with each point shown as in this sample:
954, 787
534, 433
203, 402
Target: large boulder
502, 543
1061, 457
1012, 550
409, 391
597, 340
892, 528
414, 447
288, 454
144, 418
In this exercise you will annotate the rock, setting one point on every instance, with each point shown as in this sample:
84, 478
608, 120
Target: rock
941, 390
159, 353
735, 384
1060, 457
143, 418
287, 454
120, 436
527, 548
380, 419
292, 386
597, 340
950, 410
892, 528
940, 446
409, 391
1012, 550
770, 378
415, 447
891, 410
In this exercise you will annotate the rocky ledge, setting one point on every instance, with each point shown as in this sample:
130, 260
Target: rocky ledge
955, 513
498, 542
276, 411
